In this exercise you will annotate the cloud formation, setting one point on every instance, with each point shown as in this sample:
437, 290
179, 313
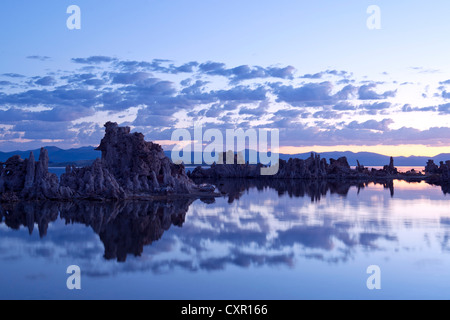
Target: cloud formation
323, 108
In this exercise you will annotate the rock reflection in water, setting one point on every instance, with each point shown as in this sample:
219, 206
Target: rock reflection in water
316, 190
27, 214
124, 227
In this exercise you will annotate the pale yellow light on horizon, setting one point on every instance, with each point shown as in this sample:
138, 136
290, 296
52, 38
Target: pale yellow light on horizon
394, 151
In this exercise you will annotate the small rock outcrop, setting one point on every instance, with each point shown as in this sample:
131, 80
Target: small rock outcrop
438, 174
94, 182
30, 180
312, 168
339, 167
391, 169
446, 171
431, 167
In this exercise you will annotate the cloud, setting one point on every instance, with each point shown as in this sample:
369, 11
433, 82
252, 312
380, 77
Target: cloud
320, 75
376, 106
359, 134
288, 113
306, 111
445, 94
344, 106
408, 108
60, 97
38, 57
79, 77
327, 114
152, 92
13, 75
15, 115
94, 60
46, 81
185, 68
241, 93
45, 130
310, 94
444, 108
81, 80
237, 93
157, 65
366, 93
347, 92
147, 119
8, 135
129, 78
339, 73
245, 72
60, 104
282, 73
193, 89
425, 70
213, 68
259, 111
371, 125
313, 94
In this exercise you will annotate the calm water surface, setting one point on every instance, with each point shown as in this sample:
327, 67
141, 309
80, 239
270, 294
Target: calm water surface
279, 241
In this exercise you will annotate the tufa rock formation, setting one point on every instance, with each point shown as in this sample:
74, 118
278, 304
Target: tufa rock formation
94, 182
431, 167
140, 166
313, 168
438, 174
28, 179
130, 168
391, 169
134, 169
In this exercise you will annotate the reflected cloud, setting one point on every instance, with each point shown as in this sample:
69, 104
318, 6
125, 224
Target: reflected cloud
123, 227
256, 223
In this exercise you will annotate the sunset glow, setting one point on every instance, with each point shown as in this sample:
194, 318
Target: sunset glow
395, 151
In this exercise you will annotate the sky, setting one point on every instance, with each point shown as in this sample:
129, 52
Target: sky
312, 69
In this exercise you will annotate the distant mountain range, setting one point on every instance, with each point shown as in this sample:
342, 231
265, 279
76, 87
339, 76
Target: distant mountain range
59, 157
86, 155
374, 159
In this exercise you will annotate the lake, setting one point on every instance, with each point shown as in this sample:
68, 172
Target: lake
280, 240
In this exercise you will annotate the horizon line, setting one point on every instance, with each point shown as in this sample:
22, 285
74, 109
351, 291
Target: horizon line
283, 153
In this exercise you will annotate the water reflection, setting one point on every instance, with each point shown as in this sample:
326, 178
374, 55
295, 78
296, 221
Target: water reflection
315, 190
123, 227
256, 224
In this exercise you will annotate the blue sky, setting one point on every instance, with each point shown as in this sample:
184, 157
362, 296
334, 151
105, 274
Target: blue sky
310, 68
